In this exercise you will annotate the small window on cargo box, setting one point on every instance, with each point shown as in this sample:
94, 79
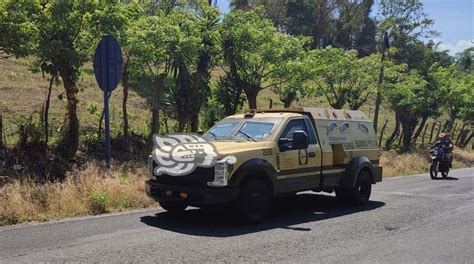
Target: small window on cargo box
331, 127
364, 128
344, 128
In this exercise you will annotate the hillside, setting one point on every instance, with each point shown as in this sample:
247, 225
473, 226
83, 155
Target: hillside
85, 187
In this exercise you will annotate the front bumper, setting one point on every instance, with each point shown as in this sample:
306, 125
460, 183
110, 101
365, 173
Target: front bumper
195, 195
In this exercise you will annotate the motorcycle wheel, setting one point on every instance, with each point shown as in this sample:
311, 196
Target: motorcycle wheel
433, 171
445, 174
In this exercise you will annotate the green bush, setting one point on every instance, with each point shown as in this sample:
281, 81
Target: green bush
99, 201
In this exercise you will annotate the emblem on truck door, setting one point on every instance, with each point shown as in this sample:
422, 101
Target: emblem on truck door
303, 156
180, 154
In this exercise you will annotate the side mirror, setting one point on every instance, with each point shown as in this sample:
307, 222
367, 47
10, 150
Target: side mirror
284, 144
300, 140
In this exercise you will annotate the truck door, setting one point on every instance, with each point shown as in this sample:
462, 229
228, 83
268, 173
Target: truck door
301, 165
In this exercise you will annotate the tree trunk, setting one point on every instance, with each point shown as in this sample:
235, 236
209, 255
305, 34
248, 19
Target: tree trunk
46, 110
408, 121
125, 98
431, 133
460, 133
450, 122
165, 121
270, 106
1, 129
424, 134
439, 131
252, 97
382, 131
72, 124
466, 140
159, 83
338, 104
420, 128
378, 99
453, 131
400, 139
195, 123
288, 98
396, 131
462, 137
181, 124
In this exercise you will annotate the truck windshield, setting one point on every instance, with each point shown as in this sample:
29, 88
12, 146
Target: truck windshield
255, 129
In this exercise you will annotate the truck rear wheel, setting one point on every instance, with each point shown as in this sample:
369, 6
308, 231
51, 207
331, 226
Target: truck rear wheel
359, 194
174, 207
254, 200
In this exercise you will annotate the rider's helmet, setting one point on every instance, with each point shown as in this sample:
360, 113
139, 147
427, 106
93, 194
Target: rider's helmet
442, 136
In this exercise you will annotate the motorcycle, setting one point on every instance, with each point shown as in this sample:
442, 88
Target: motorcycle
439, 163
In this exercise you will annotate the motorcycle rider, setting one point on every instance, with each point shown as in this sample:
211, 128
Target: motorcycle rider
446, 145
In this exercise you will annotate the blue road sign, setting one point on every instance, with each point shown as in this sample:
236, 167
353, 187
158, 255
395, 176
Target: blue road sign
108, 64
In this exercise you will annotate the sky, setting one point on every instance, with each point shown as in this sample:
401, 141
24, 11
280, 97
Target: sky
453, 19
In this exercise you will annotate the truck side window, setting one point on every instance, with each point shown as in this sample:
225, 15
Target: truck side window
299, 124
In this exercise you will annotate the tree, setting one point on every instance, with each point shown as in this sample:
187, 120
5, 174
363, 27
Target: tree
252, 49
152, 42
178, 50
401, 23
292, 73
342, 78
405, 22
16, 29
404, 93
300, 15
62, 43
365, 38
465, 59
195, 57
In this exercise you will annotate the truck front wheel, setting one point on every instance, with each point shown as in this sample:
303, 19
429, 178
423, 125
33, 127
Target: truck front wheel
254, 200
359, 194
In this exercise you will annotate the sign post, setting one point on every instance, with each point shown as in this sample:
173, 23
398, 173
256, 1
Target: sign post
108, 63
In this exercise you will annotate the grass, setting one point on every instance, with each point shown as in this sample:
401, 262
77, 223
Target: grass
87, 191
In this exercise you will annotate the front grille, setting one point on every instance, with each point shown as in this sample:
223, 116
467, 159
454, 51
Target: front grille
199, 177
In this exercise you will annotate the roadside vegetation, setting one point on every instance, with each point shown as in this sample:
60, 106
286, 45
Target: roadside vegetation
186, 66
87, 190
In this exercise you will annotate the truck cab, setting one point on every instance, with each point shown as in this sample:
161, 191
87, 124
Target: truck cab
277, 152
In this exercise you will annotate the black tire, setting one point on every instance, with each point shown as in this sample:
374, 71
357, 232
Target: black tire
254, 200
433, 171
359, 194
173, 207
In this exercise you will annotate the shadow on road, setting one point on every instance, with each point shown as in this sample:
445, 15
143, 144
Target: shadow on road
447, 178
303, 208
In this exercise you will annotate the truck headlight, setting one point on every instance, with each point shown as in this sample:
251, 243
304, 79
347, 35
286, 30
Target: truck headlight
221, 173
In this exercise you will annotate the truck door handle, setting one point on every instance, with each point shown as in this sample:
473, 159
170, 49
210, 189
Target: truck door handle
312, 154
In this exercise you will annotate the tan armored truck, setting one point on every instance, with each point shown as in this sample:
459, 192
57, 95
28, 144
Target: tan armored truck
245, 160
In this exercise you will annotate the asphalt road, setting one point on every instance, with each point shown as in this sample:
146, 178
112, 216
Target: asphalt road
410, 219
